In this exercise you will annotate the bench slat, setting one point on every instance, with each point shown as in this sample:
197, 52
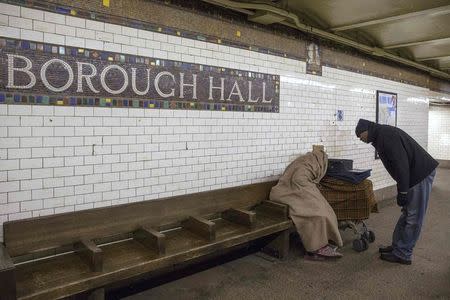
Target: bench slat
92, 254
200, 226
240, 216
151, 239
273, 207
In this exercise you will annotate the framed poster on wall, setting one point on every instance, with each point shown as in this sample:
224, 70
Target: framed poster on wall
386, 110
313, 59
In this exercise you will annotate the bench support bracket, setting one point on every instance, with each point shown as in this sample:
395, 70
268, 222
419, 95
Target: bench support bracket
92, 254
278, 246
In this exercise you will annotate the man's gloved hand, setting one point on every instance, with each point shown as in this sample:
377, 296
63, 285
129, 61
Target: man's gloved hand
402, 199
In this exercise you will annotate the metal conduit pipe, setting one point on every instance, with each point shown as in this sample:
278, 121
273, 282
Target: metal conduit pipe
244, 8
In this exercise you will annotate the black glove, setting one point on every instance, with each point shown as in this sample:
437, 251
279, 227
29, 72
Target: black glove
402, 199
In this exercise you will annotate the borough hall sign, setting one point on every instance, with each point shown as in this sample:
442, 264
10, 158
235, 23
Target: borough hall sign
74, 76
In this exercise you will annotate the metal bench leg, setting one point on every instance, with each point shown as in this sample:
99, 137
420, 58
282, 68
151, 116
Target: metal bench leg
279, 246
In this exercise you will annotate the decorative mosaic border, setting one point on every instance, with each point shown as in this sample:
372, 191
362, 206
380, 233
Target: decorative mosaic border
12, 97
23, 98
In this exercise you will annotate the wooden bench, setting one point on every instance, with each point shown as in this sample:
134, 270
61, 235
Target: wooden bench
69, 254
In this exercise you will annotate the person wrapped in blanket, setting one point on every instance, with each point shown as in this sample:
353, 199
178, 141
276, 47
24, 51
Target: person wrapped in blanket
311, 213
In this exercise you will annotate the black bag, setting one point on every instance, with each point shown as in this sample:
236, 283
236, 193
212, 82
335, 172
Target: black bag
343, 169
336, 165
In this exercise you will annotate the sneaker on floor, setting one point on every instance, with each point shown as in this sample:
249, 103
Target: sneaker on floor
390, 257
385, 249
333, 246
328, 251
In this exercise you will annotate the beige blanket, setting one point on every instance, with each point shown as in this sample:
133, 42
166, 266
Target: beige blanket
313, 217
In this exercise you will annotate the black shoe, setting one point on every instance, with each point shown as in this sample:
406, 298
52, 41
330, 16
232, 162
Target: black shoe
394, 259
385, 249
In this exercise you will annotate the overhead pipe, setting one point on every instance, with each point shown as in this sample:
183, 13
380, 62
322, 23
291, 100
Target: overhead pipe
243, 7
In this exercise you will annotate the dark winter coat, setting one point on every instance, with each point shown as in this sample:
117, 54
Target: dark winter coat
405, 160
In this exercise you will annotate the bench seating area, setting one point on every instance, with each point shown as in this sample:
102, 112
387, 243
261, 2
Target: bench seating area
69, 254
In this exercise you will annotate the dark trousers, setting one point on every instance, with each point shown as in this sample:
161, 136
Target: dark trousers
409, 224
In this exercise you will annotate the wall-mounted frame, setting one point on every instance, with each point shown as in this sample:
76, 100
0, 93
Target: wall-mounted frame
386, 110
313, 59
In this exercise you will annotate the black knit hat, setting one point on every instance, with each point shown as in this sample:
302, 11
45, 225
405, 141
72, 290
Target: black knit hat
362, 126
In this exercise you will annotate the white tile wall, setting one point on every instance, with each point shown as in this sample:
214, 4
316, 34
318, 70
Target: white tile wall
60, 159
439, 132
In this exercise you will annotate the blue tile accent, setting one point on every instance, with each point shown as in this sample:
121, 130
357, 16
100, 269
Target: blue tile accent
62, 10
25, 45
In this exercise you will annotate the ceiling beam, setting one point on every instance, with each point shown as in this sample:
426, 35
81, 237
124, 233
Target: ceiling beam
434, 41
295, 22
433, 11
432, 58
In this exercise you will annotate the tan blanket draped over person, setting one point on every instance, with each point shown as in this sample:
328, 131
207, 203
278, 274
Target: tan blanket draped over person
313, 217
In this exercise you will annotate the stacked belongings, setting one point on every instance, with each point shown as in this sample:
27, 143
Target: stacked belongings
351, 196
343, 169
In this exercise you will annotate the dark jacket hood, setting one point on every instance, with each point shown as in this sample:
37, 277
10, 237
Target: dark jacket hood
373, 132
366, 125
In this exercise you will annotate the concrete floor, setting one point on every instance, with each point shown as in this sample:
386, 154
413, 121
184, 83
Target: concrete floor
355, 276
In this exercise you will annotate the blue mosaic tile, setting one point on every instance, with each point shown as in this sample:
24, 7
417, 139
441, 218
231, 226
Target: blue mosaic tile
47, 48
62, 10
104, 55
25, 45
10, 43
2, 97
